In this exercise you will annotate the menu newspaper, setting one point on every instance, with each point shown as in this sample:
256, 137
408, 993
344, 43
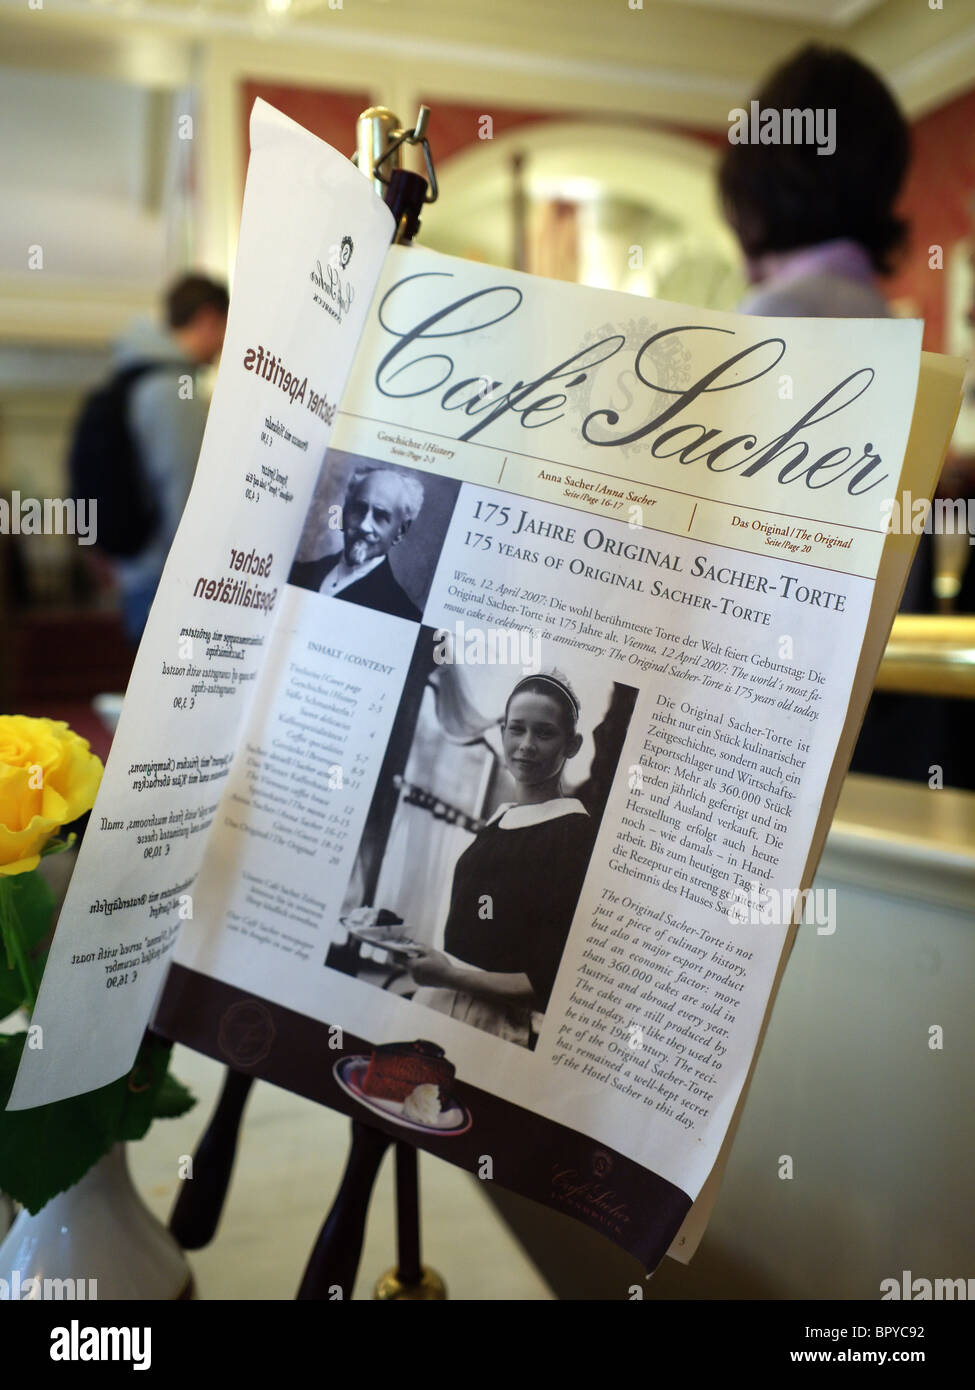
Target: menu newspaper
494, 705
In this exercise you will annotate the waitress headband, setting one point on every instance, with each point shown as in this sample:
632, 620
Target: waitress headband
560, 686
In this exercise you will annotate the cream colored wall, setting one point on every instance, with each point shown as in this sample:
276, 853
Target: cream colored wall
687, 64
54, 308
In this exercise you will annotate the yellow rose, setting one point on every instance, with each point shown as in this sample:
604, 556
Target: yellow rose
48, 777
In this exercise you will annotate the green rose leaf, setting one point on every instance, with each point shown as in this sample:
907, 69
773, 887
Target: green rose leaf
48, 1149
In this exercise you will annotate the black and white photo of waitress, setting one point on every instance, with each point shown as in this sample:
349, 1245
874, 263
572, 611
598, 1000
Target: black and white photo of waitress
516, 886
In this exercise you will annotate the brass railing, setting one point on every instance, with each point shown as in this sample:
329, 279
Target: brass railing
930, 655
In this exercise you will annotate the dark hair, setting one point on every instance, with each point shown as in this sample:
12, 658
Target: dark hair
191, 293
779, 197
556, 688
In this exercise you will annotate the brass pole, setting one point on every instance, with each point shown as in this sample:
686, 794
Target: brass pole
375, 130
930, 655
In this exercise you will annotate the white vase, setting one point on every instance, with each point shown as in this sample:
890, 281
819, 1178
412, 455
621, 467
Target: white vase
97, 1240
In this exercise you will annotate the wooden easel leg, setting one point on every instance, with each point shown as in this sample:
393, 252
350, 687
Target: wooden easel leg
196, 1212
409, 1268
409, 1281
334, 1262
331, 1270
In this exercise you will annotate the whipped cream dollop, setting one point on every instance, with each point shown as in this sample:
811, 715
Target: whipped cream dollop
422, 1105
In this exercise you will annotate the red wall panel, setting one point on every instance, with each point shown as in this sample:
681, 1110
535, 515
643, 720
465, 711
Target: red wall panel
936, 201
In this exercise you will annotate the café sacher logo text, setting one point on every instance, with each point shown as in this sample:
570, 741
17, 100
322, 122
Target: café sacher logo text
592, 1199
333, 293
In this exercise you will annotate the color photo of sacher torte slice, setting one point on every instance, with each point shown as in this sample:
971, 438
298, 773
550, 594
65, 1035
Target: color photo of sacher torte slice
396, 1069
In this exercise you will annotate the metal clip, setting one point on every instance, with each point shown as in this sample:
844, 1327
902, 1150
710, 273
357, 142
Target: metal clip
396, 138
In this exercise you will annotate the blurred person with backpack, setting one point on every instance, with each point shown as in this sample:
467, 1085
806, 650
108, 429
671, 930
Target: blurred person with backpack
138, 438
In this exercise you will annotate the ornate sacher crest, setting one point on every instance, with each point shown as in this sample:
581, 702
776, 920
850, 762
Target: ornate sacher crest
614, 385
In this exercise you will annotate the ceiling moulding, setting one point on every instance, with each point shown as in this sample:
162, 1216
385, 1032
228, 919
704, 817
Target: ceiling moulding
126, 54
933, 77
832, 14
718, 91
922, 82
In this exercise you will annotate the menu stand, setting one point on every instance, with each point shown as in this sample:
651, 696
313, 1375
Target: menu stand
331, 1270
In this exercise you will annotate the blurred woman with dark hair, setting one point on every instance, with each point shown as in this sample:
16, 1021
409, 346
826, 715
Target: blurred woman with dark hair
817, 227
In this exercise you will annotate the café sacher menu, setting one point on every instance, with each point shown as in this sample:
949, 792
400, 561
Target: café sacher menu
495, 702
